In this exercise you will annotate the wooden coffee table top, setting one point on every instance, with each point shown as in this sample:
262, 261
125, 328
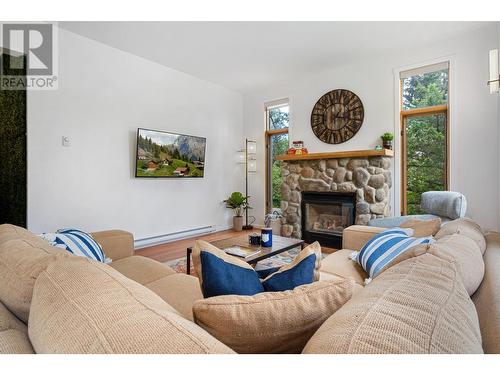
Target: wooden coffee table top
280, 245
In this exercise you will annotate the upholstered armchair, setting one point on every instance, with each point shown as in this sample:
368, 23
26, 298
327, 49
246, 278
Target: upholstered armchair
447, 205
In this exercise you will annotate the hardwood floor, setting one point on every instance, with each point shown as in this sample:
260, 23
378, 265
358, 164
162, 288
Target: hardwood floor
177, 249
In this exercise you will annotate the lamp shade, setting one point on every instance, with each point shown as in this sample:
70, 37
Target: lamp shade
240, 157
494, 76
252, 166
252, 147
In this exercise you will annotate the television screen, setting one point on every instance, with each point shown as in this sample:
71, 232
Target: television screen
162, 154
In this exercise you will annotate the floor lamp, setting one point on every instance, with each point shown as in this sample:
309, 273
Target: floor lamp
247, 157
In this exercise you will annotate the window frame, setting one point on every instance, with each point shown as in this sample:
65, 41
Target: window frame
268, 134
421, 112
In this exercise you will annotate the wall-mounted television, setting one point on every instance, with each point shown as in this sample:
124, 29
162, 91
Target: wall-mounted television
163, 154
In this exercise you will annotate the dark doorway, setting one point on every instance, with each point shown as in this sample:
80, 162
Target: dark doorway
12, 150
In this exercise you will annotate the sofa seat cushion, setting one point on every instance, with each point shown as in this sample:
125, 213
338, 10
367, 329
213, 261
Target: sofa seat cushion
417, 306
21, 261
179, 291
466, 227
81, 306
272, 322
340, 264
325, 276
13, 334
141, 269
487, 297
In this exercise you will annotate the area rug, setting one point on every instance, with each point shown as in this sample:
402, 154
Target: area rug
179, 265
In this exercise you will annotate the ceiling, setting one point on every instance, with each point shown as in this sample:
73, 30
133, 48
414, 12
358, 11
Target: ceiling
246, 56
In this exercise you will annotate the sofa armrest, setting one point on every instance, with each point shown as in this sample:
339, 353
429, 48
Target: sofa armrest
356, 236
117, 244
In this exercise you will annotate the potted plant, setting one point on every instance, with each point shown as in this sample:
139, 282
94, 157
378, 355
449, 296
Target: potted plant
387, 140
237, 202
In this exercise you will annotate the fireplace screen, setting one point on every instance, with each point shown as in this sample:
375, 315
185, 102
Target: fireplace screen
325, 215
332, 218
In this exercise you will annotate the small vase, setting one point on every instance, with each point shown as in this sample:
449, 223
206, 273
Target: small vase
387, 144
238, 223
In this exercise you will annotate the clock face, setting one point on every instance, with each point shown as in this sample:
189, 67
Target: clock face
337, 116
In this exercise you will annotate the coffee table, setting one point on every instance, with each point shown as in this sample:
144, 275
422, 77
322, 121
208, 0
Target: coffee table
280, 245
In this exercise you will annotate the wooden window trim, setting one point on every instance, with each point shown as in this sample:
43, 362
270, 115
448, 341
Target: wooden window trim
420, 112
267, 136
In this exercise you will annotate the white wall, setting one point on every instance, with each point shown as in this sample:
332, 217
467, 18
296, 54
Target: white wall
104, 95
474, 129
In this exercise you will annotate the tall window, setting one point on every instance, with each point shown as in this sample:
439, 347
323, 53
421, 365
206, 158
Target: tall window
424, 133
276, 144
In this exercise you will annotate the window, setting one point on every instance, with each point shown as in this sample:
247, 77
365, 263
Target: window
424, 133
277, 121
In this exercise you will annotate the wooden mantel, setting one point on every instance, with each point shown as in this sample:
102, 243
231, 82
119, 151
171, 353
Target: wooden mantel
338, 155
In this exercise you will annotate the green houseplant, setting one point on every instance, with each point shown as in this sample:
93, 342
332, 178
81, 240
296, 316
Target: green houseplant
387, 140
237, 202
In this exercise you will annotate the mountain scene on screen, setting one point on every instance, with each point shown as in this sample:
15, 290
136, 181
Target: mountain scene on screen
161, 154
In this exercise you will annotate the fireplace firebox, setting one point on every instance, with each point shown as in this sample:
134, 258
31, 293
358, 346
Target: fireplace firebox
325, 215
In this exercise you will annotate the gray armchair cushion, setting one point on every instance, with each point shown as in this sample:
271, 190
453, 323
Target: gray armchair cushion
391, 222
448, 204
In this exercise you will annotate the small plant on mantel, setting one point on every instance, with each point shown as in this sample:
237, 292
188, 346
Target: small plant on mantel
387, 140
237, 202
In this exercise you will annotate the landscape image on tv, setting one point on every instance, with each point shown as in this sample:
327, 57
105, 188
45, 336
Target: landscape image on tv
162, 154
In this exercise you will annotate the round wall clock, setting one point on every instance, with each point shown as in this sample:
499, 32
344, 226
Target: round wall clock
337, 116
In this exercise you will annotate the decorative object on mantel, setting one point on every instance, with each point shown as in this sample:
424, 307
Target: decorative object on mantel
297, 148
494, 80
237, 202
247, 157
378, 147
387, 140
337, 116
338, 155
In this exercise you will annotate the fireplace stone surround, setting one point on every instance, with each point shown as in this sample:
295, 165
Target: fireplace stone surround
365, 173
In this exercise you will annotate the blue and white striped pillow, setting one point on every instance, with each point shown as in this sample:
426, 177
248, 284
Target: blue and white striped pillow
385, 247
78, 243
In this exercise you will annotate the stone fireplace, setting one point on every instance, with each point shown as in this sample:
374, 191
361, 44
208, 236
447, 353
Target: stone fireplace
365, 175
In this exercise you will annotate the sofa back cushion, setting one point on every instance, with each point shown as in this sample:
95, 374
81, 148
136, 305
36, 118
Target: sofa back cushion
417, 306
272, 322
466, 227
21, 261
82, 306
487, 296
466, 255
11, 232
13, 334
423, 228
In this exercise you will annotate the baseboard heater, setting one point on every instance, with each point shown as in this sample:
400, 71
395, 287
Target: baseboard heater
169, 237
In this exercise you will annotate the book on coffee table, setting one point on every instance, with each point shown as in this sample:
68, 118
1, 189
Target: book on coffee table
241, 252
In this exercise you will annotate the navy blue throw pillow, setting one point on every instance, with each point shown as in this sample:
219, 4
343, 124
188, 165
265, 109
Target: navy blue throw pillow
288, 278
222, 278
223, 274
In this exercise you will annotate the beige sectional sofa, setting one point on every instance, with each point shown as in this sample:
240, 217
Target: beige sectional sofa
54, 302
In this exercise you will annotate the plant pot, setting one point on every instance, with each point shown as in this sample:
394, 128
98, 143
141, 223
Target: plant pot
238, 223
387, 144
